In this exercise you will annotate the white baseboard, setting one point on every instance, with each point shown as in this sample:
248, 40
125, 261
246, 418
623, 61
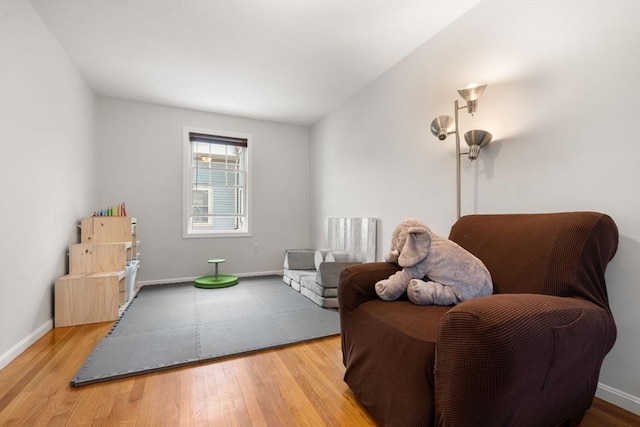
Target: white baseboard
191, 279
17, 349
619, 398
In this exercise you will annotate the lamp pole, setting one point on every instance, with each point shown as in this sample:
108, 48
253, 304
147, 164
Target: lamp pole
456, 108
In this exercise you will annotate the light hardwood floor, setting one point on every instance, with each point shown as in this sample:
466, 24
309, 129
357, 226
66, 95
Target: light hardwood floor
299, 385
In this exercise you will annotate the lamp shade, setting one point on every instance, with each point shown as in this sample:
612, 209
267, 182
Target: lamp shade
441, 126
476, 139
472, 92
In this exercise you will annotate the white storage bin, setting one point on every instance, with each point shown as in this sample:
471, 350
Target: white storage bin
131, 271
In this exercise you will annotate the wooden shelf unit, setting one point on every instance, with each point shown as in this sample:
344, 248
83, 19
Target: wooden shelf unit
95, 288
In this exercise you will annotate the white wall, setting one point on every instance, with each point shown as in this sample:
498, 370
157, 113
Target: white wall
563, 103
46, 171
140, 163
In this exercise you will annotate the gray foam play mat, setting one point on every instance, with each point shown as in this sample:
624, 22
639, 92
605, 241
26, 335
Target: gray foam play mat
177, 324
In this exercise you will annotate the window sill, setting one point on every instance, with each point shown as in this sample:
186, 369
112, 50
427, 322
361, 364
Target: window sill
216, 235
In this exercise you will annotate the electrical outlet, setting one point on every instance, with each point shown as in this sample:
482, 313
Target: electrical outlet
256, 248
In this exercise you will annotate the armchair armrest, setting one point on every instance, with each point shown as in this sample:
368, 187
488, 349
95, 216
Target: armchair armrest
357, 284
519, 359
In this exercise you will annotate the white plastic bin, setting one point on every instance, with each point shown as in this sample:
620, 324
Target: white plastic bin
131, 271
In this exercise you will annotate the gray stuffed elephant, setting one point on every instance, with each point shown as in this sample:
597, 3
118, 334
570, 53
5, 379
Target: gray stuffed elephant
451, 274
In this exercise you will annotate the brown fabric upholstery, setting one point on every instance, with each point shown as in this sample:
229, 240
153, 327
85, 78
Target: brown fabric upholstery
529, 356
562, 254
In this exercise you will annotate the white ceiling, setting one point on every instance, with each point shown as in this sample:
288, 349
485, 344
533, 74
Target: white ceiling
289, 61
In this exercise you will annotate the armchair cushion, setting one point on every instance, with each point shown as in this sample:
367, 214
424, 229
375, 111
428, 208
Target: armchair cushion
396, 375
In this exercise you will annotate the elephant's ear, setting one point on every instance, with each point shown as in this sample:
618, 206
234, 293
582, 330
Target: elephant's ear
416, 247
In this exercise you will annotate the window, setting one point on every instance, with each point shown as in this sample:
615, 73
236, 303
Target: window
216, 183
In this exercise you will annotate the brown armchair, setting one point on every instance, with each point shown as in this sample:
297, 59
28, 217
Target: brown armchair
529, 355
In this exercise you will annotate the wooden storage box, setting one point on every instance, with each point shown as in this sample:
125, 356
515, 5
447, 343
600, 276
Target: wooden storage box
98, 257
107, 229
88, 298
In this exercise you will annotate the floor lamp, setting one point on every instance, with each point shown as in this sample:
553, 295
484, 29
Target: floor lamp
443, 126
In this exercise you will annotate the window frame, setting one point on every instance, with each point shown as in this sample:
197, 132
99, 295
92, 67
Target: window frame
187, 185
209, 190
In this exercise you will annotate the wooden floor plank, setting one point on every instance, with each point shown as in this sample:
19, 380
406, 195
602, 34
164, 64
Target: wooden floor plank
298, 385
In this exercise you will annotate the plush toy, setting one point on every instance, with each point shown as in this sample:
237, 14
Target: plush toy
451, 274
